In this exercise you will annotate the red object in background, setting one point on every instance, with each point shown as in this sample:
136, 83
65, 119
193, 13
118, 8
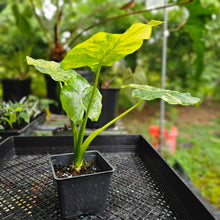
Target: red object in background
169, 138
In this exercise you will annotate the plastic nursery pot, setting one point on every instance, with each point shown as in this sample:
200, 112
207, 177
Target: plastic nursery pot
109, 108
82, 194
87, 74
53, 91
15, 89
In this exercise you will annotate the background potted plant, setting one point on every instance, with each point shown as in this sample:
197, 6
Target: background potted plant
18, 39
81, 101
20, 118
109, 86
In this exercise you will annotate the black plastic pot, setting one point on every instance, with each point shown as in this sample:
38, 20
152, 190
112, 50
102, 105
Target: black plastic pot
87, 74
83, 194
27, 130
15, 89
109, 108
53, 92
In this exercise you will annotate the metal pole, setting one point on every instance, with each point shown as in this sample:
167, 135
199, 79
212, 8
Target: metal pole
163, 75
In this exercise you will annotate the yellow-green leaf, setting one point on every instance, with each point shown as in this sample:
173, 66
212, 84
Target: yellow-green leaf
105, 48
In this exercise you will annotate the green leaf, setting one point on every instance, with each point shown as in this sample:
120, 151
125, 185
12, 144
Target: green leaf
96, 103
1, 127
22, 21
12, 118
172, 97
75, 96
25, 116
199, 16
51, 68
105, 48
18, 109
5, 119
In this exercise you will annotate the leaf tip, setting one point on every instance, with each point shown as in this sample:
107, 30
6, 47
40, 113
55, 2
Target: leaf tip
155, 22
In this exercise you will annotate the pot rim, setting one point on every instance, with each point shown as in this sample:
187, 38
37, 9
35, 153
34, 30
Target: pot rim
111, 168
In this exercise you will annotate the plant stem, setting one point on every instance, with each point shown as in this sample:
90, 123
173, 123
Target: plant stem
78, 162
75, 138
98, 131
61, 86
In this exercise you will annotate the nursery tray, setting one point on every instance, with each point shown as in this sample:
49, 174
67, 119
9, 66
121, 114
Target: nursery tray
27, 130
143, 186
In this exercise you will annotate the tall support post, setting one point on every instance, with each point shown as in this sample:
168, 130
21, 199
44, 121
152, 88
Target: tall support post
163, 75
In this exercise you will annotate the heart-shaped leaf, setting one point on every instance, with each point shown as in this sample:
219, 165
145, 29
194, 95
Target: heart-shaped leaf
51, 68
105, 48
172, 97
75, 96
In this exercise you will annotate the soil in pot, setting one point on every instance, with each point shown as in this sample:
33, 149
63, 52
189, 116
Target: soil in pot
89, 167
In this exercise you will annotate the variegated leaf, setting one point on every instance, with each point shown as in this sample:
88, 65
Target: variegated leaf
105, 48
75, 96
172, 97
51, 68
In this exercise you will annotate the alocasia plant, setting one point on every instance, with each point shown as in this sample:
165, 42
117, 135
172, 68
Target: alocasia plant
80, 100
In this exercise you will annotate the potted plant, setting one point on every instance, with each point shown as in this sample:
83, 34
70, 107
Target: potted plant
81, 101
17, 42
20, 118
15, 77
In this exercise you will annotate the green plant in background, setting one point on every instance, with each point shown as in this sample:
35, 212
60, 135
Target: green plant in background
13, 114
188, 28
18, 35
200, 158
81, 100
111, 77
197, 152
129, 77
118, 75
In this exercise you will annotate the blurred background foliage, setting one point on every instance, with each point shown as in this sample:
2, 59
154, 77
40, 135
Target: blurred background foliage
47, 29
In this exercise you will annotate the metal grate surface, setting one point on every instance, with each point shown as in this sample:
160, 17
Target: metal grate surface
27, 191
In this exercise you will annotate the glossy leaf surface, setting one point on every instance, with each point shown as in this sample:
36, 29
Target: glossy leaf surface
75, 98
105, 49
51, 68
172, 97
